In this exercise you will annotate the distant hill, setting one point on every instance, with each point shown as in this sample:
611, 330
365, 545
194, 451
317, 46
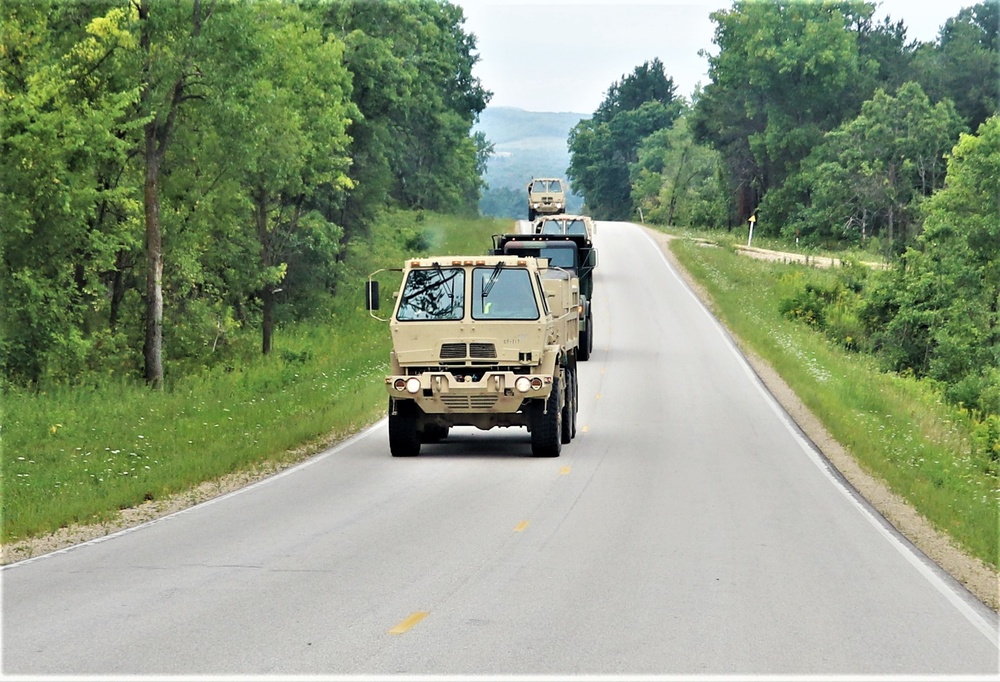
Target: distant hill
527, 144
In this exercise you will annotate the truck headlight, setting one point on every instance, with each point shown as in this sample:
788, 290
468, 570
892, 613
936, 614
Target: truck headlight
523, 384
413, 385
536, 383
399, 384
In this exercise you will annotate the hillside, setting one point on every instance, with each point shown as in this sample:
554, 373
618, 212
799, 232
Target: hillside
526, 144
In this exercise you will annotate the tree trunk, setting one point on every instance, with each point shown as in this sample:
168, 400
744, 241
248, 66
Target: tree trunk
267, 325
153, 348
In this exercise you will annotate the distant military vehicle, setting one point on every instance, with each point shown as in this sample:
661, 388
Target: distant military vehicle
546, 196
482, 341
565, 224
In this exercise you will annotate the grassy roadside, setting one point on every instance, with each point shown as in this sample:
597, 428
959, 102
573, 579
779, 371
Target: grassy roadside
897, 428
80, 455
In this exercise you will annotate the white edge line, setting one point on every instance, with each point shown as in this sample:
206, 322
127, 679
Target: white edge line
990, 630
239, 491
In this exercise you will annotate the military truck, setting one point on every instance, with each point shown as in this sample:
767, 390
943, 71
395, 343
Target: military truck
563, 223
484, 341
573, 252
546, 196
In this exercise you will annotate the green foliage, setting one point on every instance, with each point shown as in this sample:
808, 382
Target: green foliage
867, 177
604, 148
276, 132
676, 180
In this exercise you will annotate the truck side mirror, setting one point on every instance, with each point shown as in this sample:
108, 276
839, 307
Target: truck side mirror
593, 257
371, 295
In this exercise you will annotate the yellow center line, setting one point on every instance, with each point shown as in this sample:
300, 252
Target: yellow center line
408, 623
585, 428
597, 397
521, 526
564, 471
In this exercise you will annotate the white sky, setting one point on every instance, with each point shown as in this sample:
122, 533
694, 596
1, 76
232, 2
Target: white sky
593, 43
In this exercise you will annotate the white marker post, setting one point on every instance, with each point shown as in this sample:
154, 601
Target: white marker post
753, 219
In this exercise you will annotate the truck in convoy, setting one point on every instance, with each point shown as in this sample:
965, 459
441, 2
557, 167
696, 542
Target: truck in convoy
484, 341
567, 242
546, 196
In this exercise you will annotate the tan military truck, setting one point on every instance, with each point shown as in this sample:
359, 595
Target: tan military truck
545, 196
482, 341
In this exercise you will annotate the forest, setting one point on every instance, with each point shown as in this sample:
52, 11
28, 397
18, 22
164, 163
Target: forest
178, 178
834, 132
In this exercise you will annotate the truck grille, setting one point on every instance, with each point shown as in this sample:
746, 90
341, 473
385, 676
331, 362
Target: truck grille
460, 351
452, 351
482, 350
469, 402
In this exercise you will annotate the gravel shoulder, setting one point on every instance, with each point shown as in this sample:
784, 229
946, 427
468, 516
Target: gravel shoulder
979, 578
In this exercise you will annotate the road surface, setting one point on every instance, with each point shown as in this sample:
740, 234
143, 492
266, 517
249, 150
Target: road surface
689, 529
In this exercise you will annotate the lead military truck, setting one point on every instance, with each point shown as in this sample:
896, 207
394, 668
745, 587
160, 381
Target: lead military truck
546, 196
484, 341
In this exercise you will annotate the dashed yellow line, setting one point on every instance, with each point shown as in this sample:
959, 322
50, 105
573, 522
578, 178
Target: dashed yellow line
585, 428
519, 528
597, 397
564, 471
408, 623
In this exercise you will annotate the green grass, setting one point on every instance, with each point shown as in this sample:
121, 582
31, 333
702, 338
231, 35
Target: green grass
79, 455
898, 428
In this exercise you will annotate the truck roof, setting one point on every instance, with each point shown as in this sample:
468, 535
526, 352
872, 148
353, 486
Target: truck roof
487, 261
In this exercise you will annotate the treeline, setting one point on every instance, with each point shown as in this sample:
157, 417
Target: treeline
836, 131
174, 174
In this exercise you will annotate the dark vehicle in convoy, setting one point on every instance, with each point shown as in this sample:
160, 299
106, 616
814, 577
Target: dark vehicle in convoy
571, 249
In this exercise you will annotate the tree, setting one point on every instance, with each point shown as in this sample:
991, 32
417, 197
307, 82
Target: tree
937, 313
604, 148
69, 208
785, 74
964, 64
868, 175
676, 179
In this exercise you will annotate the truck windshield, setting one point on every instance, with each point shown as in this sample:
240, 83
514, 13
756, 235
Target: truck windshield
433, 294
503, 294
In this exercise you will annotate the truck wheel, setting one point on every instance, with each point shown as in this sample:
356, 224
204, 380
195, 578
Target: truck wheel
531, 214
575, 390
403, 438
546, 425
583, 351
569, 409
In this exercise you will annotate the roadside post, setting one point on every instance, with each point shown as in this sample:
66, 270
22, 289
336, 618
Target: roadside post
753, 219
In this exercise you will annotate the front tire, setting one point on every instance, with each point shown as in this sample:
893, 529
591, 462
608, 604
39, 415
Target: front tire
546, 424
404, 441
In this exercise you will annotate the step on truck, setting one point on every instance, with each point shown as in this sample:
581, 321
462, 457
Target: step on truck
484, 341
572, 250
546, 196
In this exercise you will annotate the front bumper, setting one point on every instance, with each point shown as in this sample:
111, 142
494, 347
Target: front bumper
442, 392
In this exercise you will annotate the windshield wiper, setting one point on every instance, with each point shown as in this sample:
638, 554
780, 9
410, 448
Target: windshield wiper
488, 287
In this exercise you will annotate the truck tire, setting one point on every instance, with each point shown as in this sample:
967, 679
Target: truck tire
531, 214
546, 424
576, 398
569, 408
404, 441
583, 351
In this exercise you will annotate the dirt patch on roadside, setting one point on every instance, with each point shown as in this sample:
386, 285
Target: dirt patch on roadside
980, 579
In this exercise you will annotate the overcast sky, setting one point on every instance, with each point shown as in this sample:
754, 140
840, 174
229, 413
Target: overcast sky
590, 44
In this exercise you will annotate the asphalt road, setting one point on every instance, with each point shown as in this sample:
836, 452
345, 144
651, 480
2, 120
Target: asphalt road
689, 529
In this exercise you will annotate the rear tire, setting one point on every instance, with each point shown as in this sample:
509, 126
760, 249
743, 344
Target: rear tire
568, 413
546, 424
404, 441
